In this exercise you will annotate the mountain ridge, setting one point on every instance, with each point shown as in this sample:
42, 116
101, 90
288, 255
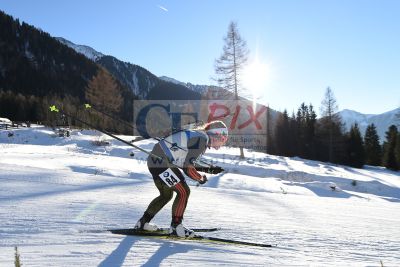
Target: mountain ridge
85, 50
139, 80
381, 121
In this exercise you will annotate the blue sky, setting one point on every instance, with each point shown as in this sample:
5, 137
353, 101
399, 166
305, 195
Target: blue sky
304, 46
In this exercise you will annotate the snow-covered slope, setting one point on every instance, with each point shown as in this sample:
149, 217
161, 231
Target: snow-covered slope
381, 121
202, 89
55, 190
85, 50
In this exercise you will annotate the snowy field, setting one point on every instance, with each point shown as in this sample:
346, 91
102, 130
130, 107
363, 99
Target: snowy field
55, 190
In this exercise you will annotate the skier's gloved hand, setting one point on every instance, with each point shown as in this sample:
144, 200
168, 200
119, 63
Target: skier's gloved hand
203, 180
216, 169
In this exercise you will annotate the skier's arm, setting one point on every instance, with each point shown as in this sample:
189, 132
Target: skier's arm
196, 147
191, 171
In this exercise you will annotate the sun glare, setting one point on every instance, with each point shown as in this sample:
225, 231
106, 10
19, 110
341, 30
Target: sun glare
255, 76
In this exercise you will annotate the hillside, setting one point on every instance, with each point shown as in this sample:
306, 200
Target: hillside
55, 191
140, 81
202, 89
34, 63
36, 70
381, 121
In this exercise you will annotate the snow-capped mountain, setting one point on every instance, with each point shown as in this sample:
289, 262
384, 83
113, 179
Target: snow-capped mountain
85, 50
142, 82
381, 121
172, 80
138, 79
202, 89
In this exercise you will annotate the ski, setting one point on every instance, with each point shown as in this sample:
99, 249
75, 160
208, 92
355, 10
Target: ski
230, 241
199, 238
132, 231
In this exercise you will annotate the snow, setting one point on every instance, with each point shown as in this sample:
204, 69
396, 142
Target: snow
202, 89
55, 190
381, 121
5, 120
85, 50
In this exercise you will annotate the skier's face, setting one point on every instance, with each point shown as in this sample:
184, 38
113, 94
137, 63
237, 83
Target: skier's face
217, 140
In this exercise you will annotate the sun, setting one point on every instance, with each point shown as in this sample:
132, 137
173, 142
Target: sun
255, 77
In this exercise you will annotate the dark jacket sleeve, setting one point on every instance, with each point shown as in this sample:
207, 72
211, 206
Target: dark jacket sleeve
196, 147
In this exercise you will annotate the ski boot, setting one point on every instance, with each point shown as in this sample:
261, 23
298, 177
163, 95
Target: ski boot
141, 226
181, 231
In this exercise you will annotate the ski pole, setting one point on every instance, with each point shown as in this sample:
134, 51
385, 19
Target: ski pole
89, 106
54, 109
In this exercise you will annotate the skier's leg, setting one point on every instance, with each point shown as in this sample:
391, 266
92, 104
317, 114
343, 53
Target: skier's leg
160, 201
182, 194
179, 206
178, 209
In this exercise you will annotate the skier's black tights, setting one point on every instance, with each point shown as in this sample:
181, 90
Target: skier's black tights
182, 194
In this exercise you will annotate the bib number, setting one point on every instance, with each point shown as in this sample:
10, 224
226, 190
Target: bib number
169, 178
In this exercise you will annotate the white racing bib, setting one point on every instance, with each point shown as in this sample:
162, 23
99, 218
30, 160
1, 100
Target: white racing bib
169, 178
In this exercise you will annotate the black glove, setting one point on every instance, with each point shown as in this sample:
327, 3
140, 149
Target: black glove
203, 180
215, 169
209, 169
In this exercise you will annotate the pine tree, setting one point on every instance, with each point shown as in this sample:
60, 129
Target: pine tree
397, 147
389, 157
306, 119
355, 148
230, 64
270, 148
310, 132
300, 130
103, 92
331, 122
397, 150
282, 135
397, 117
292, 137
373, 150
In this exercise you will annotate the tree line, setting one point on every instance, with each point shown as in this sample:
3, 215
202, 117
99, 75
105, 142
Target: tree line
102, 91
325, 139
37, 71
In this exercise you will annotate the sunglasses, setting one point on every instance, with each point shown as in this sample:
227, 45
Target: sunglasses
219, 137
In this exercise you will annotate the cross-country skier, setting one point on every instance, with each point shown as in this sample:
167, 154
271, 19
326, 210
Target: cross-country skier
181, 149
